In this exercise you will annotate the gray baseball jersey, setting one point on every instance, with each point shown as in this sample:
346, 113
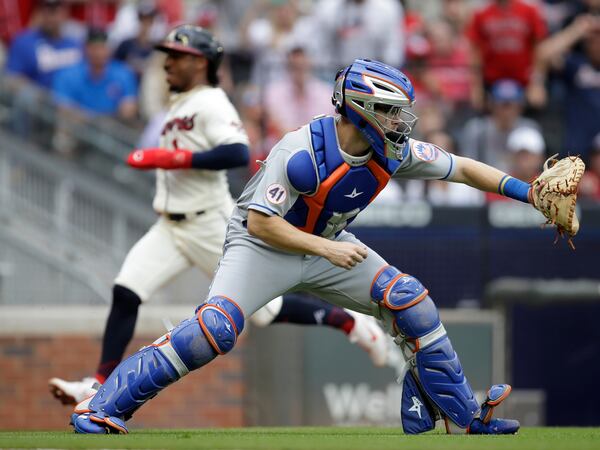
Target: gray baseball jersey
252, 272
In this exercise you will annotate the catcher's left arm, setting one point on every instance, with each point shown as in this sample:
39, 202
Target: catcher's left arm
553, 193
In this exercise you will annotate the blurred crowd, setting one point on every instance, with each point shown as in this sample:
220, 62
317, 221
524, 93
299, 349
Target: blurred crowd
509, 82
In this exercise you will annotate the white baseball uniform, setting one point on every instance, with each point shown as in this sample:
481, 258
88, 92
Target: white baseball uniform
197, 120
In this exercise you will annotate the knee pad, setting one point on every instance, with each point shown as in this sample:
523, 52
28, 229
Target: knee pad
222, 320
413, 314
417, 325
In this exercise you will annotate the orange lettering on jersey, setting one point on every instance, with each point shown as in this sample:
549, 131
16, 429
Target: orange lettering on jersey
317, 202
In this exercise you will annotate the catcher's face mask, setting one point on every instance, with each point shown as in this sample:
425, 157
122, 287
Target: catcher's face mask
378, 100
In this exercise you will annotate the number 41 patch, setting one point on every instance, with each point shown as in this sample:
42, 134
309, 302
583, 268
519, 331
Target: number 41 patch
276, 194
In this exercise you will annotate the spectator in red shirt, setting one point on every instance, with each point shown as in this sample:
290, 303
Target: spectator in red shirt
14, 17
447, 75
504, 36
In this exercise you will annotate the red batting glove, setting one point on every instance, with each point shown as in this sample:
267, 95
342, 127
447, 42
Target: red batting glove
159, 158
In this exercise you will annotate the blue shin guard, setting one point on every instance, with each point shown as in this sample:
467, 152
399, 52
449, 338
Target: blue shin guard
434, 364
190, 345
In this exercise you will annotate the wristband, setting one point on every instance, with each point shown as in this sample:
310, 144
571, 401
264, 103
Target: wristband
513, 188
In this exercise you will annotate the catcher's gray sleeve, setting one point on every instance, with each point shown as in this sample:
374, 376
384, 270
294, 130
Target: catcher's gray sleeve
427, 162
274, 194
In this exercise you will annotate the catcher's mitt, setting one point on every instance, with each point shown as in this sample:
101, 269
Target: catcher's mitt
554, 193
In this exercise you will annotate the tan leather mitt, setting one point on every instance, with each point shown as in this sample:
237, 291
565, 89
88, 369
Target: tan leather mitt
554, 193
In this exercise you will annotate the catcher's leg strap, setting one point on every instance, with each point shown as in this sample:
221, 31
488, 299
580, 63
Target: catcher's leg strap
412, 316
190, 345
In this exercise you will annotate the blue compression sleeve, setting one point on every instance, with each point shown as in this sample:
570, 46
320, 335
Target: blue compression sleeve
513, 188
222, 157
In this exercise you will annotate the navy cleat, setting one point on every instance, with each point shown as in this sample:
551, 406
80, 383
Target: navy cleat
485, 424
97, 423
494, 426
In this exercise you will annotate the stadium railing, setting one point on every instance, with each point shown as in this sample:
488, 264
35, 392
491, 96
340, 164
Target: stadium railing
98, 143
64, 230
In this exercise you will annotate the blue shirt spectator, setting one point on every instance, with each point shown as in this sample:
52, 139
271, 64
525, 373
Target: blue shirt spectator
38, 57
39, 53
103, 94
98, 85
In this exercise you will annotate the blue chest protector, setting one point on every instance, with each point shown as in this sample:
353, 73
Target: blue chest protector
332, 192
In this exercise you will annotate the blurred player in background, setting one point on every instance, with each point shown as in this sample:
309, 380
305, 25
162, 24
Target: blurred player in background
202, 137
287, 234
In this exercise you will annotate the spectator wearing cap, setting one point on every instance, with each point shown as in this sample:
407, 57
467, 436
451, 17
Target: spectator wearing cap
136, 51
528, 152
485, 138
504, 35
98, 85
590, 182
38, 53
580, 74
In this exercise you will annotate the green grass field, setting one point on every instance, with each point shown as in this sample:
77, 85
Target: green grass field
307, 438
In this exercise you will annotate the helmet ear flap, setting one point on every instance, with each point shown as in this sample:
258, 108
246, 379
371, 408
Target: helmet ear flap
339, 96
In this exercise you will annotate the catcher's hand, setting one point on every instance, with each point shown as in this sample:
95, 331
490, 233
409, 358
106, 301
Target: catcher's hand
554, 193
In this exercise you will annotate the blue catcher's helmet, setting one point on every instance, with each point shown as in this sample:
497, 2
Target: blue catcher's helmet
376, 98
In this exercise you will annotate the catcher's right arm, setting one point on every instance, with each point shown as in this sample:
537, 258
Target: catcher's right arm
554, 193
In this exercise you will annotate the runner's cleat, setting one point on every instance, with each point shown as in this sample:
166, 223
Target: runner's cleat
368, 335
72, 392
